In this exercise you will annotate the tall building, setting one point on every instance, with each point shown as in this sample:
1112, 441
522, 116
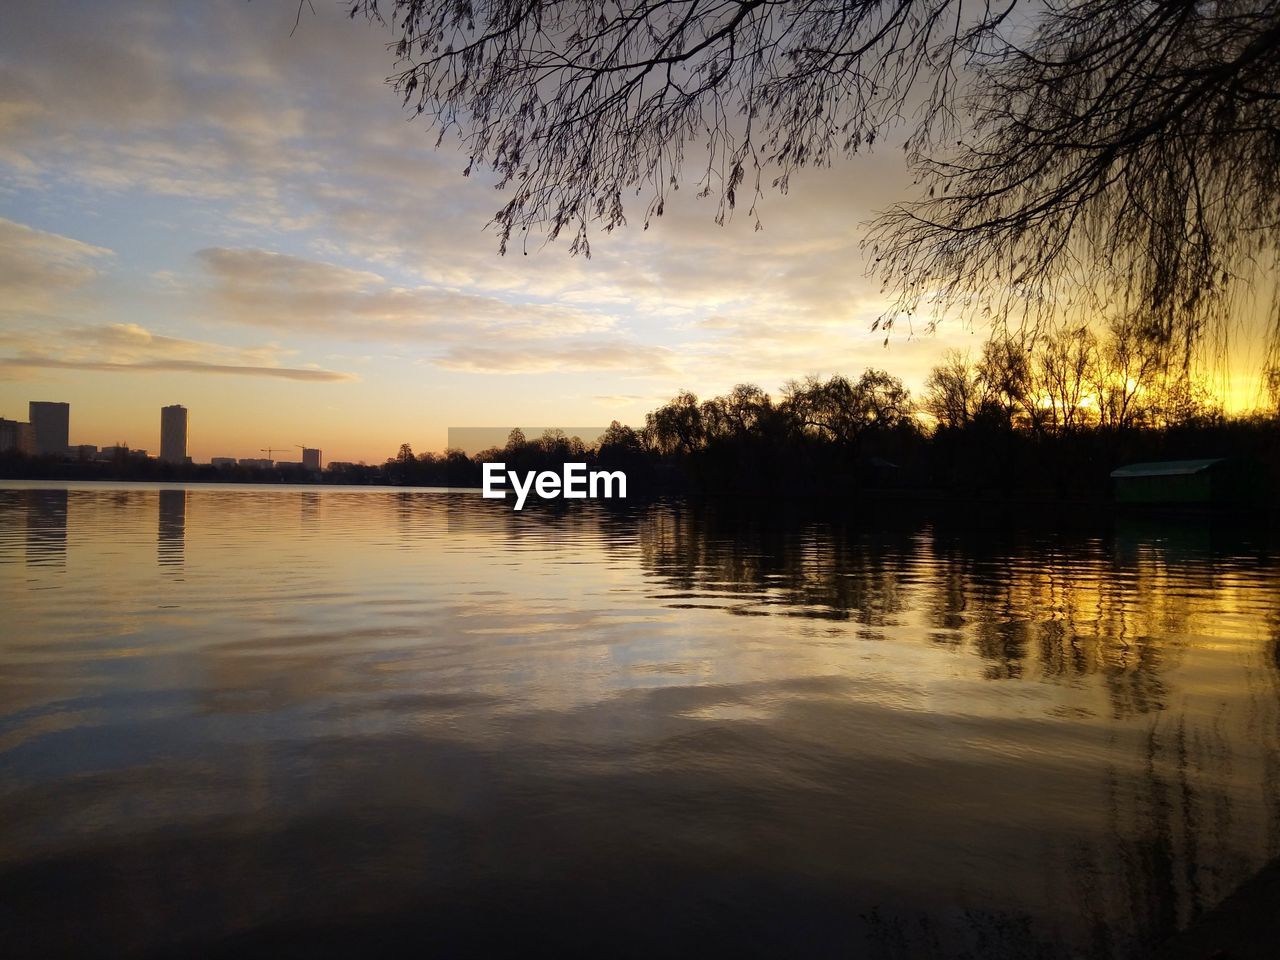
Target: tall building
173, 434
311, 458
16, 435
51, 423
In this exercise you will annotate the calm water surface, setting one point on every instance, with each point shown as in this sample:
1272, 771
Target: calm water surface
319, 721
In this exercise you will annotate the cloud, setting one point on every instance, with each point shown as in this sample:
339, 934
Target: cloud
250, 270
39, 269
174, 366
130, 348
635, 359
620, 399
200, 101
285, 292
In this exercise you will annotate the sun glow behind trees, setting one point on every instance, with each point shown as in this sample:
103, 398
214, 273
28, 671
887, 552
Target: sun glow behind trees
1074, 378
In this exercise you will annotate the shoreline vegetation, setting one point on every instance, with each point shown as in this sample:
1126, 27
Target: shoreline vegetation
1016, 424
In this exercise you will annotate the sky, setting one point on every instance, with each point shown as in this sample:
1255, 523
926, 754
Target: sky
201, 205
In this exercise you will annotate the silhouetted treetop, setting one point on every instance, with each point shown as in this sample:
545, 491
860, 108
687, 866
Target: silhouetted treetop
1073, 155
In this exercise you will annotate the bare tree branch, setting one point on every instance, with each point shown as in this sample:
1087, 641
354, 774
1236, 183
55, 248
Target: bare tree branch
1082, 157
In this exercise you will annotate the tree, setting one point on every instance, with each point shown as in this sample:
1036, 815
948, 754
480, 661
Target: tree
1004, 373
739, 413
1085, 154
843, 411
883, 402
1180, 400
822, 408
619, 438
403, 468
1271, 383
1064, 363
677, 426
576, 104
952, 395
1123, 157
1126, 367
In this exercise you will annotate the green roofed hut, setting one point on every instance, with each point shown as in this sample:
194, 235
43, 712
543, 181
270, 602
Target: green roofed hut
1176, 481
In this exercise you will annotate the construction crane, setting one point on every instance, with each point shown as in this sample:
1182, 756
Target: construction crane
270, 450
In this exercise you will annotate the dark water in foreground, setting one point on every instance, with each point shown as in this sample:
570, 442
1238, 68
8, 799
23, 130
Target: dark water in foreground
332, 721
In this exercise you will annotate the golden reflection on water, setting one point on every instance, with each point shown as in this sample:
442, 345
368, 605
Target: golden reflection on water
916, 734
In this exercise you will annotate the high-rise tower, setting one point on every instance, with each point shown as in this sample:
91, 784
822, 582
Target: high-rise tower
51, 424
173, 434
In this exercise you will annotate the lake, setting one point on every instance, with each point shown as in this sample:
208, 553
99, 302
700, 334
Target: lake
326, 721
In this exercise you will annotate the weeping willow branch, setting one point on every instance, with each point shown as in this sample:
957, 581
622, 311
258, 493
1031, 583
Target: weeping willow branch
1125, 160
1073, 156
579, 107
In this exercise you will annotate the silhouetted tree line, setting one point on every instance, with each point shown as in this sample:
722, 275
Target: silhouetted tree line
1049, 421
1043, 417
618, 448
1049, 417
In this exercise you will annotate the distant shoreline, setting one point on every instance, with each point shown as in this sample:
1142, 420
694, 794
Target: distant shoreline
1267, 515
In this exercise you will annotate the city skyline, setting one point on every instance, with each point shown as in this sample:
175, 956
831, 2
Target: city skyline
47, 432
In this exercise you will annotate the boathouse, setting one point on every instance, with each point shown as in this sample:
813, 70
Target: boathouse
1174, 481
